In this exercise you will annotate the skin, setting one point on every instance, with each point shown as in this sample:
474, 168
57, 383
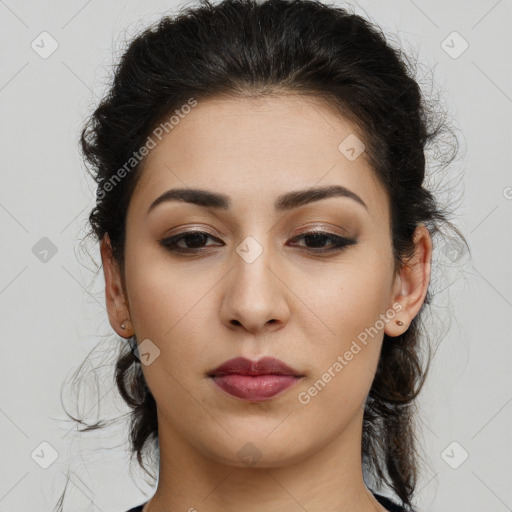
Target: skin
290, 303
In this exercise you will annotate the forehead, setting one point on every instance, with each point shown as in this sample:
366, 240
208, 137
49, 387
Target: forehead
254, 149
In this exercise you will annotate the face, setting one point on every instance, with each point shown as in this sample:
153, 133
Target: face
252, 283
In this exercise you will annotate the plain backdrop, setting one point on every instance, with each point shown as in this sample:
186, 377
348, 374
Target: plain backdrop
51, 299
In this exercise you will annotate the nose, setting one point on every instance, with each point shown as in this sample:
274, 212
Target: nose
255, 290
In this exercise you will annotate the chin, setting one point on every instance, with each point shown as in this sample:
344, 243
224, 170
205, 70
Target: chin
259, 450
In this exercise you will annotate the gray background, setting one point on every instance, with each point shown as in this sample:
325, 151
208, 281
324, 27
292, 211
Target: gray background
53, 306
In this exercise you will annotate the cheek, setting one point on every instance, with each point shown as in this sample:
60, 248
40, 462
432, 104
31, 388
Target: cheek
166, 308
345, 360
352, 302
353, 294
166, 304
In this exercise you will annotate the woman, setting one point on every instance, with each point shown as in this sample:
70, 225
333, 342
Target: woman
266, 238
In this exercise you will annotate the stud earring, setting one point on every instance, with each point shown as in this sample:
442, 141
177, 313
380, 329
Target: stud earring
399, 322
127, 328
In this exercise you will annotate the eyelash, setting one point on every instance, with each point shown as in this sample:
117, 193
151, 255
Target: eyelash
340, 242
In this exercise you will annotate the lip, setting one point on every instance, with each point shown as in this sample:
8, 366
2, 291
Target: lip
254, 380
264, 366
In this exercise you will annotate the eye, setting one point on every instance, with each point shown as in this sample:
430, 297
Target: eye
194, 240
318, 238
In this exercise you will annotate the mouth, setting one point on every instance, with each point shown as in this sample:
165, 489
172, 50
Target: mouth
254, 381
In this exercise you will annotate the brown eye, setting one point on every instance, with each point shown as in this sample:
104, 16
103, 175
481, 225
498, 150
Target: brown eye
315, 241
193, 240
318, 238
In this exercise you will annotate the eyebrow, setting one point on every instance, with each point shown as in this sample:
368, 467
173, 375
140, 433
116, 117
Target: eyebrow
285, 202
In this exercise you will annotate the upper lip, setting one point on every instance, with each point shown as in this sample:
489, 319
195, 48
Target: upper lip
264, 366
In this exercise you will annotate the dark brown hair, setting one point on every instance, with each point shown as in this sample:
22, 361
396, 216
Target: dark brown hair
242, 48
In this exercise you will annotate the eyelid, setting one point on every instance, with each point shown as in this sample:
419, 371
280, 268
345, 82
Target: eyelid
293, 233
327, 229
198, 228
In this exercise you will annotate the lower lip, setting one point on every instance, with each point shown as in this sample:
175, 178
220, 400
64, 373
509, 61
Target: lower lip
255, 388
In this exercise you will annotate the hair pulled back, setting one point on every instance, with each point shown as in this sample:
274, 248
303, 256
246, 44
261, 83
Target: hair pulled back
246, 48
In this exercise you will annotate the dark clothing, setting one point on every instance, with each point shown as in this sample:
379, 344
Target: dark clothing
390, 505
385, 502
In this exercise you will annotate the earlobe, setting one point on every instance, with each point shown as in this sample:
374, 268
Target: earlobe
399, 324
127, 328
118, 312
411, 284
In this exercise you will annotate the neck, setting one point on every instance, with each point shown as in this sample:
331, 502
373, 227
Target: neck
329, 479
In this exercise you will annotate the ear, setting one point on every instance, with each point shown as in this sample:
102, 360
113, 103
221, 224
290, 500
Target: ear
411, 283
117, 308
